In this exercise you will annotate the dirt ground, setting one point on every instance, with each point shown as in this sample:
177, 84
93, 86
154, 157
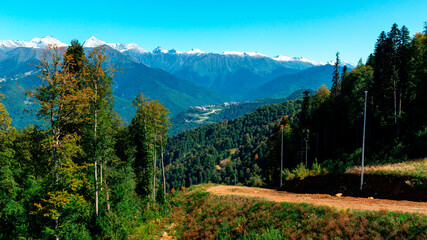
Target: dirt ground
342, 202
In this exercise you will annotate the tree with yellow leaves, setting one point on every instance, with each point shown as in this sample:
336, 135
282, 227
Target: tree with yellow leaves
62, 101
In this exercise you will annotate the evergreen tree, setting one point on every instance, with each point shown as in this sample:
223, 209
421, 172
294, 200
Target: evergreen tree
336, 76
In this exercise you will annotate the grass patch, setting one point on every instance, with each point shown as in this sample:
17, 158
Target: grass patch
416, 168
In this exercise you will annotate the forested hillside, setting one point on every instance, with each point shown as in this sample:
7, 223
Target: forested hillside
193, 117
84, 174
327, 130
210, 153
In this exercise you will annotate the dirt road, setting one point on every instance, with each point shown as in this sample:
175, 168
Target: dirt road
342, 202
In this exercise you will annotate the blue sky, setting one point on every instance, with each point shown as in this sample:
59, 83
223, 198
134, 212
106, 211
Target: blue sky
315, 30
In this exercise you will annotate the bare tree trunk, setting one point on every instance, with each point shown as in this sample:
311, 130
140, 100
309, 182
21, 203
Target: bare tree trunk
55, 153
154, 167
317, 145
95, 152
302, 152
163, 169
395, 103
104, 184
100, 175
96, 189
399, 113
56, 227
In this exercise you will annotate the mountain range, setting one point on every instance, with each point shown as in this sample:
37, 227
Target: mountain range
177, 79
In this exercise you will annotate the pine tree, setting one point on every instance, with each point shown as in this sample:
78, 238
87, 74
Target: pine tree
336, 76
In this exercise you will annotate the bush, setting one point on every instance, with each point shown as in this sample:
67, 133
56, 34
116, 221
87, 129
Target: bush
302, 172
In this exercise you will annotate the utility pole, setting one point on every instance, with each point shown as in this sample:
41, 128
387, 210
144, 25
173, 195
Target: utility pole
235, 172
306, 141
281, 158
363, 143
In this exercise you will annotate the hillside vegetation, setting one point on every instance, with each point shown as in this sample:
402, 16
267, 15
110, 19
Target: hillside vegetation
327, 128
212, 152
193, 117
415, 168
196, 214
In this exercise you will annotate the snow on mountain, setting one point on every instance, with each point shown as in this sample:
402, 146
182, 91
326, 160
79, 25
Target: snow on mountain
93, 42
195, 51
297, 59
43, 42
34, 43
160, 50
254, 54
12, 44
126, 47
173, 50
342, 63
233, 53
242, 54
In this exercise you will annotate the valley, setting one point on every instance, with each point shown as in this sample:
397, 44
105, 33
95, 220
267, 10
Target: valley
109, 141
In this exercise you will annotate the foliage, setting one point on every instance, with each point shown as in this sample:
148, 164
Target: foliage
302, 172
226, 152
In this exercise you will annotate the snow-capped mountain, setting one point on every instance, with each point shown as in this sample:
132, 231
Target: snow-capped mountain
243, 54
160, 50
231, 73
281, 58
93, 42
133, 48
195, 51
34, 43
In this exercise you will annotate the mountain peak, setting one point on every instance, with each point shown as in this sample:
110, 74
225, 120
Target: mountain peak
34, 43
48, 40
93, 42
173, 50
233, 53
160, 50
195, 51
281, 58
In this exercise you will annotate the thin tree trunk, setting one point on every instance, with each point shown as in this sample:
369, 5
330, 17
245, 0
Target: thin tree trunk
317, 145
154, 167
302, 152
163, 169
399, 113
395, 101
100, 175
56, 227
95, 152
104, 182
55, 157
96, 189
